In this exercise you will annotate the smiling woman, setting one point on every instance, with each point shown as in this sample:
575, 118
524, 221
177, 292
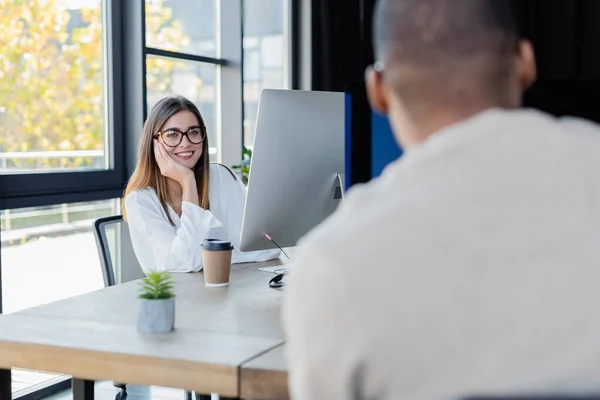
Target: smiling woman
175, 199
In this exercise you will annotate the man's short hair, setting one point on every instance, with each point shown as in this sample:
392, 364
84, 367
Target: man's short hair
443, 50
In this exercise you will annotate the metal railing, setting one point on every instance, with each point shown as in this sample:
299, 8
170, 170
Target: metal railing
50, 154
24, 224
38, 160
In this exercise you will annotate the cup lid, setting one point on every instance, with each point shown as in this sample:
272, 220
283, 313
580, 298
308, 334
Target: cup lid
216, 245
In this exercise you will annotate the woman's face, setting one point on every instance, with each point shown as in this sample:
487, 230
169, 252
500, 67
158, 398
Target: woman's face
185, 153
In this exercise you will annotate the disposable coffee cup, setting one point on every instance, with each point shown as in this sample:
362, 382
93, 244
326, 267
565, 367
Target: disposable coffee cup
216, 257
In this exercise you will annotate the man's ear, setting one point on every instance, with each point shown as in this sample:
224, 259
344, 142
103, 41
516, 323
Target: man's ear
526, 65
376, 90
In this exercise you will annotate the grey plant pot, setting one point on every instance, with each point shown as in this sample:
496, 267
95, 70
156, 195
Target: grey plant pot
156, 315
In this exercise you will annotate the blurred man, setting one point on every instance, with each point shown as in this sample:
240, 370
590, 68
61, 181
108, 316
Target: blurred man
471, 266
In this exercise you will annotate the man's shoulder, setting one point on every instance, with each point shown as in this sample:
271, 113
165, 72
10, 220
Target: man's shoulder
361, 218
535, 124
438, 181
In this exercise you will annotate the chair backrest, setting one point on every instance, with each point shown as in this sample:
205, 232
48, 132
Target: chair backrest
117, 258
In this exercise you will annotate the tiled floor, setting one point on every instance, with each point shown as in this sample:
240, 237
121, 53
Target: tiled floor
106, 391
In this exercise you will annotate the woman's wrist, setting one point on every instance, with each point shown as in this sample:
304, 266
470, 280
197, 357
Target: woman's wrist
189, 181
190, 190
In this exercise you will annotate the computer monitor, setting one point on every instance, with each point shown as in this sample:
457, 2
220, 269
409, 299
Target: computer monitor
297, 166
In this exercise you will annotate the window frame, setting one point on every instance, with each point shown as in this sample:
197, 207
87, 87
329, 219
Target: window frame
290, 32
37, 189
125, 102
228, 76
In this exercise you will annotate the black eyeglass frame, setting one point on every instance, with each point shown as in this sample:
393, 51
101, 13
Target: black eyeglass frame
202, 132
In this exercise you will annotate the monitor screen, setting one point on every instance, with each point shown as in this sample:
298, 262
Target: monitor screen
370, 145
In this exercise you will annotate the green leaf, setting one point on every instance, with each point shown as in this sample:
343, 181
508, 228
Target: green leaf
157, 285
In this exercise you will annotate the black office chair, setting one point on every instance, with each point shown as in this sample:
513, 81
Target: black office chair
120, 265
117, 260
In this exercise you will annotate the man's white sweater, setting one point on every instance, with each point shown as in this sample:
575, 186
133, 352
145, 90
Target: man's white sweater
471, 266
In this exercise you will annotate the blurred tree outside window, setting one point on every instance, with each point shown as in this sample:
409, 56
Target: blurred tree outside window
52, 81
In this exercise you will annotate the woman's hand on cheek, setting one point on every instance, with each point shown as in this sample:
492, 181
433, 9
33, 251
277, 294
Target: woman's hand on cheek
169, 167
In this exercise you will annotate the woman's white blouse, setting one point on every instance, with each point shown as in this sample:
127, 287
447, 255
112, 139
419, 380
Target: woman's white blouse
160, 246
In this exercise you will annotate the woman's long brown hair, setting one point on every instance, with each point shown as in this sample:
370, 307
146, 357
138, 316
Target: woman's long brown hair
147, 173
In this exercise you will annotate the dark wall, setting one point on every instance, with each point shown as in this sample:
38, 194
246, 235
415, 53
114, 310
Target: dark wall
341, 42
565, 33
566, 37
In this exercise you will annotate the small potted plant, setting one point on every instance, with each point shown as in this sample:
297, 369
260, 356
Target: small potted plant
157, 303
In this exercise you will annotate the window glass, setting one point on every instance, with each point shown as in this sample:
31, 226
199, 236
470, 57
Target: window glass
265, 51
182, 25
49, 253
52, 78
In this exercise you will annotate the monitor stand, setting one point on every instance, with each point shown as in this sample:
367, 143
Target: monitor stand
338, 193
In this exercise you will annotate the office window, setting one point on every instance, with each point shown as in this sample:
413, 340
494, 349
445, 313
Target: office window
181, 58
48, 254
52, 74
265, 46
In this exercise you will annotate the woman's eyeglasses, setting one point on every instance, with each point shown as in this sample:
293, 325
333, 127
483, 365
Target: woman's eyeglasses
172, 137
